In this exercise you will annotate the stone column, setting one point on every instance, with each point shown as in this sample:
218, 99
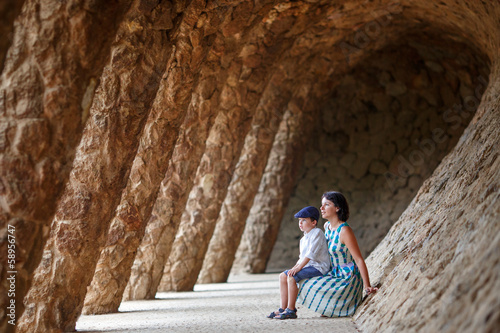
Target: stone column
9, 10
50, 72
224, 146
245, 181
157, 143
262, 225
215, 171
119, 112
161, 230
212, 178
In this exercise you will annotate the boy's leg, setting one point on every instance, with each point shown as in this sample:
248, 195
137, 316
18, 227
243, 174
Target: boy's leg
293, 291
284, 290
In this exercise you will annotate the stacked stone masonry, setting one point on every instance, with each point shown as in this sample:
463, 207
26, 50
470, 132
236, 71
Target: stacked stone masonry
148, 138
151, 161
57, 54
118, 115
244, 184
382, 133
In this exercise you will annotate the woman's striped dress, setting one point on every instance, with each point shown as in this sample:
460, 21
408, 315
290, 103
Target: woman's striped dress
338, 292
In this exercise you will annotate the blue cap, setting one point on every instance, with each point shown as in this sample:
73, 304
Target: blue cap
308, 211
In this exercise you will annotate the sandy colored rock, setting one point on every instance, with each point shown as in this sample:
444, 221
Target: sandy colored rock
373, 80
151, 162
246, 178
217, 165
155, 248
102, 163
9, 10
210, 186
356, 152
262, 224
449, 230
244, 184
46, 90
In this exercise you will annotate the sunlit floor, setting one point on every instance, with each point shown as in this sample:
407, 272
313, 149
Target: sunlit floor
240, 305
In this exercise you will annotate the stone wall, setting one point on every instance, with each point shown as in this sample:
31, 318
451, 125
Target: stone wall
382, 132
439, 266
8, 12
394, 83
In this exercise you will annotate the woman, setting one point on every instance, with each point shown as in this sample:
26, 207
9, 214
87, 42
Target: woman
337, 293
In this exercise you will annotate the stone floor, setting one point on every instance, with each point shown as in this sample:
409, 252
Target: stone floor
240, 305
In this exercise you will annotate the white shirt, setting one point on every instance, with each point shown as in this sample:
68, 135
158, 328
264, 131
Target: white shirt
315, 247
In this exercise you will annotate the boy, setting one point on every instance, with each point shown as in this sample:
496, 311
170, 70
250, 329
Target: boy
314, 260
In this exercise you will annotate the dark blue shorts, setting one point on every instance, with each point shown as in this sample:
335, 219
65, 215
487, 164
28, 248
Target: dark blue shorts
305, 273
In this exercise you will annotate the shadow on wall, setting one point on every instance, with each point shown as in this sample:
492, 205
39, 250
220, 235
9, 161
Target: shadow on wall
385, 128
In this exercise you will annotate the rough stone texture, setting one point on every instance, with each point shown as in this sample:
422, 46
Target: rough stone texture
9, 9
154, 250
329, 39
384, 130
246, 178
104, 157
245, 181
278, 21
443, 254
327, 66
49, 75
210, 187
157, 143
324, 67
238, 106
178, 180
282, 168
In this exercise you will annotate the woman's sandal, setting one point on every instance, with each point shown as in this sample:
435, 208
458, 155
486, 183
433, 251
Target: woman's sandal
274, 314
287, 314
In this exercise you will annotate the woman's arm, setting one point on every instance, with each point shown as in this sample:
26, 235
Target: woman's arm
347, 237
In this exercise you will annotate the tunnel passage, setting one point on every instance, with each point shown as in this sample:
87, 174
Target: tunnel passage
223, 56
382, 132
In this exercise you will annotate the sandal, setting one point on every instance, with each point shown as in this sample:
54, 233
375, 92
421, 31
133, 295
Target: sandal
287, 314
274, 314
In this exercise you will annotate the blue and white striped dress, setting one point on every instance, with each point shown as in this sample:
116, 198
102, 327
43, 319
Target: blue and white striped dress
338, 292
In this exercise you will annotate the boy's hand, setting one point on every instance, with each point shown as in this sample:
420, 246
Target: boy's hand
293, 271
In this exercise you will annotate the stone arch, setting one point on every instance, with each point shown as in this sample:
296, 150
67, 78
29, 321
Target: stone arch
399, 22
379, 148
48, 84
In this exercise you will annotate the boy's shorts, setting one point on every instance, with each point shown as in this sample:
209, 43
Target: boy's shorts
305, 273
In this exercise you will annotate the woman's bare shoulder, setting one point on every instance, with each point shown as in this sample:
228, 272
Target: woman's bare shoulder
346, 232
326, 225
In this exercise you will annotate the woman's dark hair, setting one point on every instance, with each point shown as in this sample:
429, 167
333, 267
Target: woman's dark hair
339, 201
